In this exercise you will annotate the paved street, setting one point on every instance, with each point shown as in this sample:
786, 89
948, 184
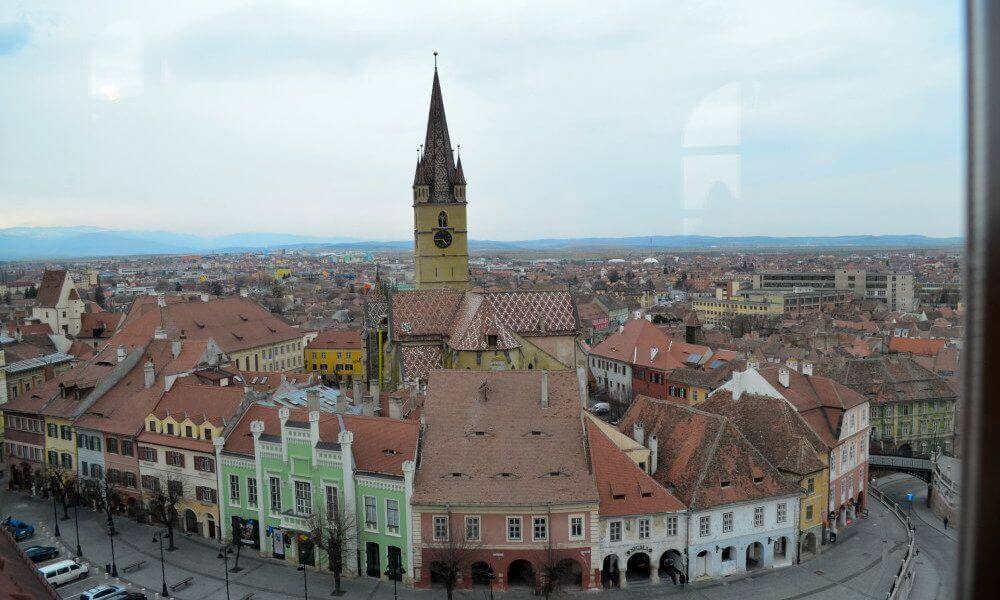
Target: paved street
936, 565
860, 565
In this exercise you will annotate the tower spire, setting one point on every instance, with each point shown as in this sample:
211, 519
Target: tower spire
438, 164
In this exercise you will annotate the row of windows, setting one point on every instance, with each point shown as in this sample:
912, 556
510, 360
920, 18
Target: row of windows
705, 522
643, 528
177, 459
24, 451
189, 431
515, 528
175, 487
60, 431
23, 423
64, 460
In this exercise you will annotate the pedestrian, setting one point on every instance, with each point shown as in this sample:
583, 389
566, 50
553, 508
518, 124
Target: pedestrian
946, 522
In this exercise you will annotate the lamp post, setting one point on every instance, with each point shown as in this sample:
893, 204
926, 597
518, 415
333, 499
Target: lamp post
158, 537
55, 512
111, 530
305, 581
76, 517
394, 572
224, 555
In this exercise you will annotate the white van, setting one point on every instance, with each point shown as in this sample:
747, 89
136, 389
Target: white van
63, 571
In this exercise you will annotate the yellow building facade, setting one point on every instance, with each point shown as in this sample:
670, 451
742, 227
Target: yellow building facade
60, 444
339, 354
815, 491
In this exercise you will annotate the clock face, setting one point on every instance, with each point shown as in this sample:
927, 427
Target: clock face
442, 238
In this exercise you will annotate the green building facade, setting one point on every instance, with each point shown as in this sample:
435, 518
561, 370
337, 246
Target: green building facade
280, 478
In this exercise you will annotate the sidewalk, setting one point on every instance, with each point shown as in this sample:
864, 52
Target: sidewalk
859, 566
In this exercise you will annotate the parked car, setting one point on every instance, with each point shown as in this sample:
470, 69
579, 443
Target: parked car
64, 571
39, 554
19, 529
105, 592
600, 408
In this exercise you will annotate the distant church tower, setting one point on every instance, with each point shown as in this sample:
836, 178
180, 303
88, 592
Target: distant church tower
440, 238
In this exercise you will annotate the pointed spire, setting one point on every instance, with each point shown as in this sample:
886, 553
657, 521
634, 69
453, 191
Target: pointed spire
459, 173
438, 163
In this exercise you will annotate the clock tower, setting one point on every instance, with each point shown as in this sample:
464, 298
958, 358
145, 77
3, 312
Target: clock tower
440, 238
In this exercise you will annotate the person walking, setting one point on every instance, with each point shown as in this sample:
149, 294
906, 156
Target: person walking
946, 522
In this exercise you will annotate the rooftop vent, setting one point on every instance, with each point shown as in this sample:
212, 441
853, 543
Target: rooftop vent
758, 480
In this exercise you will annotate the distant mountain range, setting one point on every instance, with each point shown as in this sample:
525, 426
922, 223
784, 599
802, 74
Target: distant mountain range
26, 243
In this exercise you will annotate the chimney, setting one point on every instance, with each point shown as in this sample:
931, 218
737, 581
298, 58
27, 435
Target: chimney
545, 389
783, 376
343, 389
161, 300
314, 428
148, 373
807, 368
356, 392
160, 333
639, 433
581, 383
376, 390
204, 297
121, 353
654, 453
312, 399
396, 407
175, 348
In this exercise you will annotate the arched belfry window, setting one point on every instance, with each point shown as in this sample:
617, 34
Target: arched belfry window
442, 219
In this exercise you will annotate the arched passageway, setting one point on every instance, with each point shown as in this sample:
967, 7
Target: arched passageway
755, 556
520, 573
638, 567
671, 566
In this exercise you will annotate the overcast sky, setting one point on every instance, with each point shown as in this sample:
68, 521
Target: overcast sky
599, 118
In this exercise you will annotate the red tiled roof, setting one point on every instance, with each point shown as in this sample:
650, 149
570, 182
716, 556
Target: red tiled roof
821, 401
338, 338
703, 459
918, 346
51, 288
489, 440
624, 488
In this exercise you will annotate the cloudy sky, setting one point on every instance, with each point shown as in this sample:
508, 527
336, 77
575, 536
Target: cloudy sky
624, 118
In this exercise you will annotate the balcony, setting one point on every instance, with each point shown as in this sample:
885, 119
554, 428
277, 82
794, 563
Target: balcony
297, 522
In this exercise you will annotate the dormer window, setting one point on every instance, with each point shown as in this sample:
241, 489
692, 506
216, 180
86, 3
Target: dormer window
758, 480
152, 426
724, 484
491, 341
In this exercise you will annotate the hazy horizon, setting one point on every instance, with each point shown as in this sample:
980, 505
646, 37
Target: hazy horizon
718, 119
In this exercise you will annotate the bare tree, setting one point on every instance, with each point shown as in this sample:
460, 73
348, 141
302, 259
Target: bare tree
553, 572
163, 507
335, 534
236, 541
61, 483
449, 558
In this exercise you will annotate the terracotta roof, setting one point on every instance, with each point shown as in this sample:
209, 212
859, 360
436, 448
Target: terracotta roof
775, 428
918, 346
234, 323
641, 343
820, 400
489, 440
624, 488
381, 444
50, 289
894, 378
703, 459
188, 399
100, 324
334, 338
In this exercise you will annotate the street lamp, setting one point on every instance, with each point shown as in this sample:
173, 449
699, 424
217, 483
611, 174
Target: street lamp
224, 555
394, 572
76, 516
111, 530
305, 581
55, 513
158, 537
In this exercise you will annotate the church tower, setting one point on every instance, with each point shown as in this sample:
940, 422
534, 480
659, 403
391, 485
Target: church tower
440, 238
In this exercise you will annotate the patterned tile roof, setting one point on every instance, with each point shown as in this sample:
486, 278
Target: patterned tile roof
418, 361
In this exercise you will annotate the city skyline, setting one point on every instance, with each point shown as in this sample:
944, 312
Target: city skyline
236, 118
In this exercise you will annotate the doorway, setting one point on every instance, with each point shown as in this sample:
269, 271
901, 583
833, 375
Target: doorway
373, 568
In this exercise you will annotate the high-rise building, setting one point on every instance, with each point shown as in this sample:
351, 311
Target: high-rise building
440, 237
892, 287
